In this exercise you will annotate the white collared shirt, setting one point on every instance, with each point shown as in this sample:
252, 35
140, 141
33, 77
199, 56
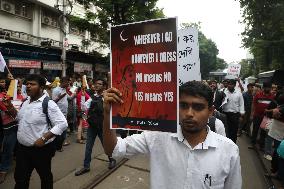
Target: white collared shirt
32, 121
175, 165
63, 102
220, 128
234, 102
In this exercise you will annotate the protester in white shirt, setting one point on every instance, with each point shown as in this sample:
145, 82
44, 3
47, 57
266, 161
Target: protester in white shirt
36, 147
194, 157
60, 97
233, 107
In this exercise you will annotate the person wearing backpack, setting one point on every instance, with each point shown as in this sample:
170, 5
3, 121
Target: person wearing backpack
40, 120
94, 106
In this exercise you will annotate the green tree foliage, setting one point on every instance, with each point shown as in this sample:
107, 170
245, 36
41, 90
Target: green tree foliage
208, 52
264, 32
247, 68
114, 12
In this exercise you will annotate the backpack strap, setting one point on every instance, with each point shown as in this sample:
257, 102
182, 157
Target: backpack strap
45, 110
211, 123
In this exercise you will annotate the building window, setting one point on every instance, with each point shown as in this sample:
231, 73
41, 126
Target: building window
19, 8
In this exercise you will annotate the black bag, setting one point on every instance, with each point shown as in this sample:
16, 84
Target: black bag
57, 139
211, 123
96, 112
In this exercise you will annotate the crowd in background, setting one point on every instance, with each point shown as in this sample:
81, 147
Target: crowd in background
76, 99
257, 112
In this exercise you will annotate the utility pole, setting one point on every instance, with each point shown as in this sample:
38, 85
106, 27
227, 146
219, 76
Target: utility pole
63, 56
63, 28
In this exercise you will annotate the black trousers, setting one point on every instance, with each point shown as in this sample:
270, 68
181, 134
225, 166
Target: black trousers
233, 121
30, 158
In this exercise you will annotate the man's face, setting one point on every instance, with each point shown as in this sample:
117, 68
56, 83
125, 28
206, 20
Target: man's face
33, 89
213, 85
225, 84
99, 86
267, 90
193, 113
65, 83
2, 83
250, 89
231, 86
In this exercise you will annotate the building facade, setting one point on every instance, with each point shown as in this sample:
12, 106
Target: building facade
32, 38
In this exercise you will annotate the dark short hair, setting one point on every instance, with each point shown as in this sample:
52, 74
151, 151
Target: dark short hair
37, 78
65, 79
212, 81
232, 81
267, 85
2, 77
250, 85
101, 79
197, 89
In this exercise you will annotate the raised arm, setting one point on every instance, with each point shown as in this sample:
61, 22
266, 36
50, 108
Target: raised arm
111, 96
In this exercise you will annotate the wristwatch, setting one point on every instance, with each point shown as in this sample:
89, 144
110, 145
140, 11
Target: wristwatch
44, 139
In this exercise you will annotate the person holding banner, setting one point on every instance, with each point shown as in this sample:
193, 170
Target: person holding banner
194, 157
9, 126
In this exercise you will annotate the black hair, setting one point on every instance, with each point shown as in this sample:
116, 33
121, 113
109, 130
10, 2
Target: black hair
101, 79
2, 77
267, 85
250, 85
232, 81
38, 78
197, 89
212, 81
65, 79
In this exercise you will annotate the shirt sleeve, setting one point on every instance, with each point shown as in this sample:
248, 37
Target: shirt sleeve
234, 179
242, 105
57, 119
87, 104
134, 145
55, 94
220, 128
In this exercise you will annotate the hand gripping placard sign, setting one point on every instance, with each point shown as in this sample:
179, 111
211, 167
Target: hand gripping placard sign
144, 69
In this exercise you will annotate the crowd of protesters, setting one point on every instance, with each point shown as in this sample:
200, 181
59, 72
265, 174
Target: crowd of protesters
258, 112
35, 124
69, 105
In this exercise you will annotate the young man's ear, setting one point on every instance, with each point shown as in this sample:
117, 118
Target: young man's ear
211, 110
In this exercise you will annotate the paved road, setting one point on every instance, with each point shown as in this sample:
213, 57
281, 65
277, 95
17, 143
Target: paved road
134, 174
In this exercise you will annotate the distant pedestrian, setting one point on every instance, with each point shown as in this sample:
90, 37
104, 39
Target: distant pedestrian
248, 98
261, 101
94, 107
233, 108
60, 97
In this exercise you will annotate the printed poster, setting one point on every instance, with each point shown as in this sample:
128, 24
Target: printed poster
233, 71
188, 55
144, 69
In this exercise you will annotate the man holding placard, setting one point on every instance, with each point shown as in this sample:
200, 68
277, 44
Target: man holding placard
194, 157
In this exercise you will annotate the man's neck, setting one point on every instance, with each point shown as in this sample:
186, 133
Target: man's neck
99, 92
194, 139
36, 97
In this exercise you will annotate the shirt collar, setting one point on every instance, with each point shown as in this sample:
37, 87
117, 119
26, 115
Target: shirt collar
210, 140
40, 99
